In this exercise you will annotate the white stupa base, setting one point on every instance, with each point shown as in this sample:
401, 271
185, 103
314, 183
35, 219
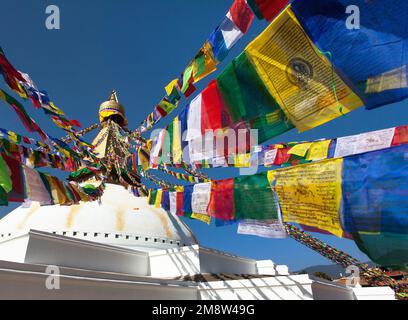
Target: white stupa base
91, 270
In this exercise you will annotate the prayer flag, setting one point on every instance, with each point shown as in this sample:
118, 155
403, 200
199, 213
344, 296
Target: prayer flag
273, 229
375, 191
310, 194
194, 119
5, 174
158, 200
267, 9
299, 77
372, 54
201, 198
211, 108
247, 99
241, 15
187, 198
254, 198
221, 204
17, 193
204, 63
35, 189
318, 150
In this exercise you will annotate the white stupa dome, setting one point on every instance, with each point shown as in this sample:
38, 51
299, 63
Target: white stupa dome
120, 219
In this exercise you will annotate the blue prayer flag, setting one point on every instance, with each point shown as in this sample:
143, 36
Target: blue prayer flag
375, 192
367, 41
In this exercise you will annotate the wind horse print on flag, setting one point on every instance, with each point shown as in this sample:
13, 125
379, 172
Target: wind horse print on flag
369, 45
298, 75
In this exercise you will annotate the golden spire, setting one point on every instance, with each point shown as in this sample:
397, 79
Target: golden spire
112, 109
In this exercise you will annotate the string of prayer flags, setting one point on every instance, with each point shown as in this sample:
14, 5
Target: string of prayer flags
299, 77
267, 9
29, 184
234, 25
372, 54
11, 75
27, 121
182, 176
375, 192
25, 87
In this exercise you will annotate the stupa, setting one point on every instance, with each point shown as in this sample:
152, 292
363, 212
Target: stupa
122, 248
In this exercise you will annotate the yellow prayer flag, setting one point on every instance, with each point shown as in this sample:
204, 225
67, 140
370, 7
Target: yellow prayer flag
176, 145
210, 64
298, 75
169, 88
159, 198
242, 160
311, 194
318, 150
202, 217
300, 149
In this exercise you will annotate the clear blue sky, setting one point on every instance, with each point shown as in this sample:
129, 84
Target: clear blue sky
137, 47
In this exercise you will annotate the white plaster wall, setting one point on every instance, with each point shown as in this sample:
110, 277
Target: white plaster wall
175, 262
380, 293
271, 288
49, 249
216, 262
17, 285
14, 249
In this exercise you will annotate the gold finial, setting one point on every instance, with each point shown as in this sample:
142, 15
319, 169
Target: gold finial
114, 96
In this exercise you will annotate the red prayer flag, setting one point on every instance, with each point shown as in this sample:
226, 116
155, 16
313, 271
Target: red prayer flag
400, 136
179, 204
271, 8
282, 156
241, 15
222, 200
211, 106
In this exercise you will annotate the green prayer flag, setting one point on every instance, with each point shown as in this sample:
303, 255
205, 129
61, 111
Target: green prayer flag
152, 199
186, 78
3, 197
386, 249
199, 63
247, 99
254, 198
5, 180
